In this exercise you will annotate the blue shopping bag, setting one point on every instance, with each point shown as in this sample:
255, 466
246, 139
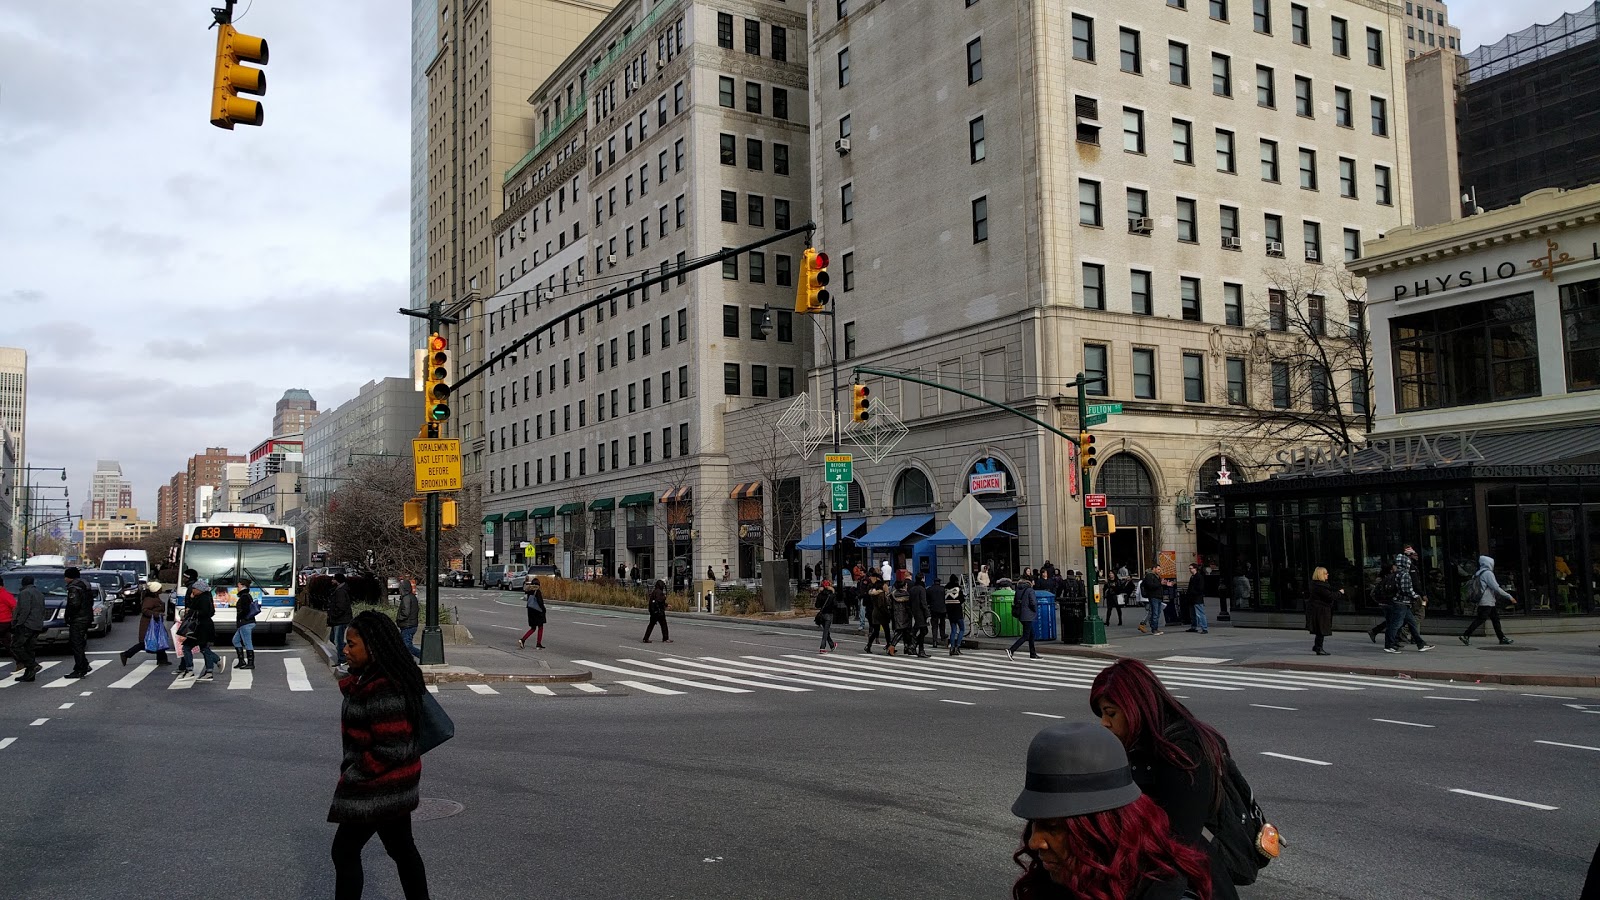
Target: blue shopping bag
156, 638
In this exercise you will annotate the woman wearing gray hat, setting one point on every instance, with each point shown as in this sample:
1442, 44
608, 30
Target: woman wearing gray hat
1090, 832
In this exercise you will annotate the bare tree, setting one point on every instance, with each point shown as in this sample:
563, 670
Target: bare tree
787, 494
365, 514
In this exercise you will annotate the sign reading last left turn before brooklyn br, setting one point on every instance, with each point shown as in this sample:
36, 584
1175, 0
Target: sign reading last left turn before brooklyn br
438, 465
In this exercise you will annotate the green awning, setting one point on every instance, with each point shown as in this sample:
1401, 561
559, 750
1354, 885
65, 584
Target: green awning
492, 518
543, 512
648, 498
517, 515
605, 504
567, 509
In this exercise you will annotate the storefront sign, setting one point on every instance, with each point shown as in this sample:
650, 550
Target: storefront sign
750, 532
1545, 265
986, 483
1419, 451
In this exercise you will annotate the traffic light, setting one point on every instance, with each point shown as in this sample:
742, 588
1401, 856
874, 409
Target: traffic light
232, 78
811, 290
1105, 524
1086, 449
411, 516
859, 400
449, 513
436, 380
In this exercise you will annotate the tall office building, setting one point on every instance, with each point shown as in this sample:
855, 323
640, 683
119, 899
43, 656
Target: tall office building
108, 492
14, 414
295, 411
1427, 30
208, 469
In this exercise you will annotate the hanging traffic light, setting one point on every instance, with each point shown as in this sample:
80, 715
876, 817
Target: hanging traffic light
436, 380
231, 78
1086, 449
811, 291
859, 400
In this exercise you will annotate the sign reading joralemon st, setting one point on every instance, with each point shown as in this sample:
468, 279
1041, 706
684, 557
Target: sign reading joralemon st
1380, 455
438, 465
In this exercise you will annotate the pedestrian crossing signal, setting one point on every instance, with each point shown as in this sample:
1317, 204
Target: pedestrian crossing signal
860, 399
1105, 524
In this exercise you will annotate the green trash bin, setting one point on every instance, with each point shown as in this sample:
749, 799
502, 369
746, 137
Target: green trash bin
1000, 599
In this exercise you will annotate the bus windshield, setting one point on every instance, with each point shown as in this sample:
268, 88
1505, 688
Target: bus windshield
223, 563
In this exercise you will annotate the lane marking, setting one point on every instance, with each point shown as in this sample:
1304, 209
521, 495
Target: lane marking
297, 675
541, 690
726, 679
1398, 722
590, 624
433, 689
1270, 706
1457, 699
6, 742
654, 689
84, 693
242, 679
723, 689
589, 688
508, 627
960, 702
139, 673
1181, 696
65, 706
481, 689
1044, 715
1573, 746
9, 681
877, 670
1198, 660
95, 665
1314, 762
1504, 799
1394, 683
736, 669
1549, 697
38, 721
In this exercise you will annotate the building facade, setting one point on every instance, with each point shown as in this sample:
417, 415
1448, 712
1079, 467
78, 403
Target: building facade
122, 525
673, 132
294, 412
10, 535
276, 455
14, 414
1427, 30
1011, 194
209, 470
108, 492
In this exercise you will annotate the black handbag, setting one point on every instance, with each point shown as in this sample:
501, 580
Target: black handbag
434, 726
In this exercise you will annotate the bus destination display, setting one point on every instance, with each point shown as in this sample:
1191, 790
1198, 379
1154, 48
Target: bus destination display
240, 533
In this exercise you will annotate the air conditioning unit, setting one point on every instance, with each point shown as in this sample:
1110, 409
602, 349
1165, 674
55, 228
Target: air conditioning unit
1312, 255
1232, 242
660, 64
1141, 225
842, 145
1275, 248
522, 234
611, 258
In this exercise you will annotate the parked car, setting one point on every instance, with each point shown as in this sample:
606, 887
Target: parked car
52, 581
493, 575
516, 582
114, 585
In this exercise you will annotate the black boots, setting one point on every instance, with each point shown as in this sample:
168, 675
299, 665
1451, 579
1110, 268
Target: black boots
239, 662
247, 660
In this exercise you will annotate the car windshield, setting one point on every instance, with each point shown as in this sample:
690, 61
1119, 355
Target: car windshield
108, 581
131, 566
52, 584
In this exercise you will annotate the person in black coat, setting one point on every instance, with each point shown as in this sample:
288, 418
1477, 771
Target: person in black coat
936, 610
826, 602
199, 628
1194, 597
1319, 609
340, 606
80, 615
919, 618
656, 603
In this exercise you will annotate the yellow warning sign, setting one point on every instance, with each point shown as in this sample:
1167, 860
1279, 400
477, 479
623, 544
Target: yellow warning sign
438, 465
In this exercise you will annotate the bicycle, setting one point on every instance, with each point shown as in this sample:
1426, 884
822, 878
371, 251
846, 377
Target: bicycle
980, 612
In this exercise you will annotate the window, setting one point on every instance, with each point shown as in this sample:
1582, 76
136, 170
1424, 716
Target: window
1341, 37
1088, 202
1321, 388
844, 67
1228, 224
785, 322
980, 220
847, 202
679, 212
730, 379
1266, 93
1129, 41
1343, 114
1178, 63
1235, 371
1280, 385
844, 125
1352, 245
725, 92
730, 268
1132, 130
725, 31
1380, 117
1095, 370
1182, 142
752, 97
1277, 310
1469, 353
1380, 176
780, 43
1083, 38
841, 8
1299, 25
975, 143
1347, 177
756, 210
1221, 75
758, 381
730, 207
677, 155
1188, 221
847, 272
1374, 47
1219, 10
730, 322
1269, 160
683, 382
1225, 157
752, 37
1189, 291
785, 382
752, 154
1302, 97
1262, 16
849, 340
780, 214
1316, 314
1139, 293
1194, 378
1138, 209
1360, 393
683, 439
683, 325
1094, 286
780, 103
758, 268
1311, 233
1308, 169
727, 150
1233, 304
1144, 373
780, 159
974, 60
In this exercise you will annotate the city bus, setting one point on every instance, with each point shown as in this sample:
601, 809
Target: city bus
230, 546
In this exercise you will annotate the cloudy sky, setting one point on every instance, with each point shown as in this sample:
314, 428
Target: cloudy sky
170, 279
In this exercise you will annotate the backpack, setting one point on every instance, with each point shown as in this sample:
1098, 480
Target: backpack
1246, 841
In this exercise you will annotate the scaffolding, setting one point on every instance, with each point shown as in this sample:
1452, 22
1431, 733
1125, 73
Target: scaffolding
1534, 43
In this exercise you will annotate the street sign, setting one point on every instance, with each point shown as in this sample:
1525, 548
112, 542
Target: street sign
438, 465
837, 468
970, 516
1094, 501
841, 497
1103, 409
1086, 535
1093, 420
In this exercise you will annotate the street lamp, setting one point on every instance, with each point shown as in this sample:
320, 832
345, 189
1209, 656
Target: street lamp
30, 488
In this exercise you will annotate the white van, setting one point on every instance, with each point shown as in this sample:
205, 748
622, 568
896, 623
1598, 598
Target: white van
132, 563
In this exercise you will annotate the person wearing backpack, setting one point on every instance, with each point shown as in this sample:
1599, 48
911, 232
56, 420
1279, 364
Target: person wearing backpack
823, 603
1489, 594
244, 632
1024, 608
1178, 761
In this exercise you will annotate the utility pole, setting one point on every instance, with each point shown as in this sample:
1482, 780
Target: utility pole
436, 411
1094, 630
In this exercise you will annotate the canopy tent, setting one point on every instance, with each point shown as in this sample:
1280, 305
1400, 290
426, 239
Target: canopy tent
814, 540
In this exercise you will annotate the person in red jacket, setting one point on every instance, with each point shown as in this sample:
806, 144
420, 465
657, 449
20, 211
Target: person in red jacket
8, 611
382, 767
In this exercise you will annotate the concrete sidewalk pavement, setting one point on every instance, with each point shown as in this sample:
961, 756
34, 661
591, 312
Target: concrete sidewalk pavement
466, 663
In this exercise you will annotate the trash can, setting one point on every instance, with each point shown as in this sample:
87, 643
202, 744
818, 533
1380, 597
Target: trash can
1073, 612
1005, 624
1044, 625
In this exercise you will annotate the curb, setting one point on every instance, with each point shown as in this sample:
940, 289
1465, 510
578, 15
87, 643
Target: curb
494, 678
317, 642
1586, 681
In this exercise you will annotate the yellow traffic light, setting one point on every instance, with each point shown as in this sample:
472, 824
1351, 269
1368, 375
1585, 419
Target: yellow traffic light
436, 380
1105, 524
448, 515
860, 398
232, 78
411, 515
811, 290
1086, 449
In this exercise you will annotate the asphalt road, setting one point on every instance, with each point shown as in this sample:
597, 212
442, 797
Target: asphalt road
849, 785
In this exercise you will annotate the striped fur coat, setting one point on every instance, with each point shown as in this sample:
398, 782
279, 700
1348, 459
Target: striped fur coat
381, 770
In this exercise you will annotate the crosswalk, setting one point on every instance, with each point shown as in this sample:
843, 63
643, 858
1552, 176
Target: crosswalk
270, 673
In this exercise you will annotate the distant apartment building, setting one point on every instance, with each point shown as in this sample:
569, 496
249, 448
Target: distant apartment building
14, 414
108, 491
122, 525
208, 470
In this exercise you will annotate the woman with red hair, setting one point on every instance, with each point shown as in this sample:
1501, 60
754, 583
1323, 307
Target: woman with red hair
1178, 761
1091, 834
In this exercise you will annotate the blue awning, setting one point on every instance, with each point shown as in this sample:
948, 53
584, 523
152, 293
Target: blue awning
1004, 522
896, 531
814, 540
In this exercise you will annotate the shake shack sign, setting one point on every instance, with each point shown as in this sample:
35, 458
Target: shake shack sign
1551, 258
1418, 451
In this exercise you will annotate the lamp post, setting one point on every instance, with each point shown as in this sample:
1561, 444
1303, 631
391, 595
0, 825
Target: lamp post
30, 489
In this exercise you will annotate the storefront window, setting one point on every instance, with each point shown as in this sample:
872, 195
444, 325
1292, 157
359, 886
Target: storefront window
1580, 323
1467, 354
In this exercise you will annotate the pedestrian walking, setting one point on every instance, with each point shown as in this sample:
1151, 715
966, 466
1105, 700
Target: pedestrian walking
25, 628
199, 628
919, 617
886, 572
407, 615
1091, 831
8, 612
983, 575
937, 615
533, 598
1319, 609
152, 611
339, 610
1117, 598
1151, 589
1400, 613
900, 614
824, 603
248, 608
656, 603
879, 614
1178, 761
79, 613
1386, 592
955, 611
1025, 608
1489, 593
382, 765
1194, 598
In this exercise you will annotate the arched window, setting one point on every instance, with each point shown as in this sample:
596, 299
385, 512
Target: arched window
912, 489
1206, 479
982, 475
1126, 481
858, 498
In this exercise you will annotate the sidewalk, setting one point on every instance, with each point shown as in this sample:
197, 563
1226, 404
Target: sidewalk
473, 663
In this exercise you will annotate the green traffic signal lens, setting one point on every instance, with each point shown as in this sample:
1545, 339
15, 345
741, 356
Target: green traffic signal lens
439, 412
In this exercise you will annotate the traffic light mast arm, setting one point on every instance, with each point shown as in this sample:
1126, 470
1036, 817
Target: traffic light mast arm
863, 370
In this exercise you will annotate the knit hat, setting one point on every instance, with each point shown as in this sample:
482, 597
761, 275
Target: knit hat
1075, 769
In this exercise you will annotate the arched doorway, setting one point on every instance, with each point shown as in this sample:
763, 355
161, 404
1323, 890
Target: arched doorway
1131, 497
992, 482
1210, 539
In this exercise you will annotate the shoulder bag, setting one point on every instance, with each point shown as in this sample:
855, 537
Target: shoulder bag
434, 726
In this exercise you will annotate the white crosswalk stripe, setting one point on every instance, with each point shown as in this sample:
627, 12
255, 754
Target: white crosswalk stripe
95, 665
11, 679
139, 673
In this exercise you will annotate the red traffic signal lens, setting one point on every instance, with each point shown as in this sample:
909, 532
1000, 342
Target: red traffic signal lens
438, 342
820, 261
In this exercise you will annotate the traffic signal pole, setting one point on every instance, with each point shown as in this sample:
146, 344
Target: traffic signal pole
432, 636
